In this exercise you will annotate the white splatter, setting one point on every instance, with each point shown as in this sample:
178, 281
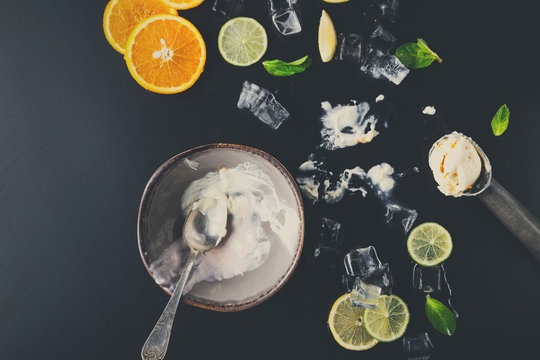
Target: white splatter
192, 164
429, 110
347, 125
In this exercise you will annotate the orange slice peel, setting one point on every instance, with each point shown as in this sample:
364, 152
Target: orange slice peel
183, 4
122, 16
165, 54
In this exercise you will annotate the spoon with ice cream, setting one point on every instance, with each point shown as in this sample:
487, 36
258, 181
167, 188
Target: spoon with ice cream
461, 168
203, 230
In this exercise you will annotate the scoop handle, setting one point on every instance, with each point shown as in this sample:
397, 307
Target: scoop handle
520, 221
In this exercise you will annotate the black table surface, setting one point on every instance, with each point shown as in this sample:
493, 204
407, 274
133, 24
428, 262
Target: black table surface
79, 139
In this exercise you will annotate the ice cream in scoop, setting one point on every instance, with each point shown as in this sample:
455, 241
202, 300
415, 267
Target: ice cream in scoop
455, 164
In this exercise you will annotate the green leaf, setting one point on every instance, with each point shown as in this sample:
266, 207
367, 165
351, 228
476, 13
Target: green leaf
282, 68
416, 55
499, 123
442, 319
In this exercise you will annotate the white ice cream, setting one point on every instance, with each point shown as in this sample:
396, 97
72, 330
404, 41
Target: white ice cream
309, 186
333, 193
347, 125
429, 110
381, 176
455, 164
256, 216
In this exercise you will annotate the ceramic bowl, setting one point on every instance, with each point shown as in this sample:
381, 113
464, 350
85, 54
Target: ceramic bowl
160, 224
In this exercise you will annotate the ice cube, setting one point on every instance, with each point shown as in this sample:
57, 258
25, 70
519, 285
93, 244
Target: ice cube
329, 243
348, 282
271, 112
352, 48
365, 295
381, 65
400, 217
331, 235
382, 10
418, 347
227, 8
362, 262
382, 277
285, 16
427, 279
263, 104
251, 96
382, 39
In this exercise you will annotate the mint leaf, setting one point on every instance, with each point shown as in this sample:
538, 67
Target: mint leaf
442, 319
282, 68
416, 55
499, 123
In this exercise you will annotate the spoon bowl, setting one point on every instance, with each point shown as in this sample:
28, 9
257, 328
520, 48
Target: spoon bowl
205, 225
484, 180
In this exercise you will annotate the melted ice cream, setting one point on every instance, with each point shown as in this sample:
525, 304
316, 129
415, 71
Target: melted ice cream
256, 214
381, 176
318, 185
429, 110
347, 125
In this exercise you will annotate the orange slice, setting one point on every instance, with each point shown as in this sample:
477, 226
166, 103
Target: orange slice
122, 16
183, 4
165, 54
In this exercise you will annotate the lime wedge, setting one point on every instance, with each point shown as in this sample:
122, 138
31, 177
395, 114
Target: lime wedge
242, 41
389, 320
429, 244
346, 325
327, 37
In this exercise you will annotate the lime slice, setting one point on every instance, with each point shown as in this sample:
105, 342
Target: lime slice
429, 244
346, 325
242, 41
389, 320
327, 37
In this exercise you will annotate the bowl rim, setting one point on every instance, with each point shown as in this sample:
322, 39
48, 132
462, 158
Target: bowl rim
300, 207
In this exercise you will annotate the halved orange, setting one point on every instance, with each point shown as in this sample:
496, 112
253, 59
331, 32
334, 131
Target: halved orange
122, 16
165, 54
183, 4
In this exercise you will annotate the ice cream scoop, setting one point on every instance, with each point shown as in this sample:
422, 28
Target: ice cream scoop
520, 221
455, 164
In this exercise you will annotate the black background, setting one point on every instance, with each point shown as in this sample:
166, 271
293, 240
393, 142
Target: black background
79, 139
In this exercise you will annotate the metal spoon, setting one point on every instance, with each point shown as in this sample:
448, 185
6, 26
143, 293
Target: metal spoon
520, 221
196, 235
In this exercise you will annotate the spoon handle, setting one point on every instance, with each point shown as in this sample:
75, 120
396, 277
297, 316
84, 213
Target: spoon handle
156, 345
524, 225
